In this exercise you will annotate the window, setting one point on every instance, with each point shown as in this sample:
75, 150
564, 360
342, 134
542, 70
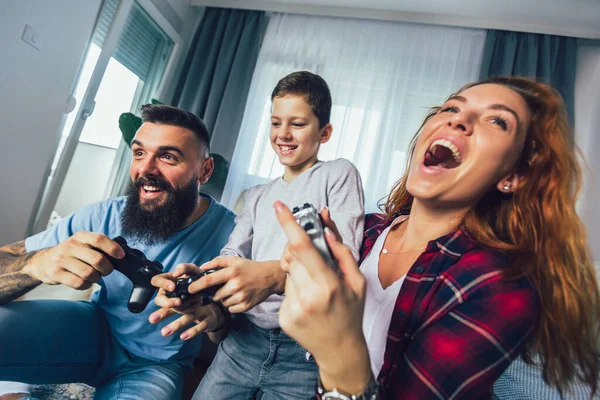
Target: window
90, 152
383, 77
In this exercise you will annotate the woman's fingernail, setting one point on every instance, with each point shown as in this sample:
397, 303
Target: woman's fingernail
166, 331
278, 206
184, 336
153, 318
329, 233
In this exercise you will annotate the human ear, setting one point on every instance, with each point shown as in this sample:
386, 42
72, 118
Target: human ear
326, 133
509, 183
206, 169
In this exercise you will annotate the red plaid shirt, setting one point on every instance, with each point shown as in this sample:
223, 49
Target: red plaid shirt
456, 324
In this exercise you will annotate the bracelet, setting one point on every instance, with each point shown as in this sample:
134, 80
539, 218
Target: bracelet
227, 314
371, 392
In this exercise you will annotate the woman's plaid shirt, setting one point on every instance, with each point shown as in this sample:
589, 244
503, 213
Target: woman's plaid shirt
456, 324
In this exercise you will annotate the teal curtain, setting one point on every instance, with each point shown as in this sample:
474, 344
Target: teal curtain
218, 71
546, 58
216, 77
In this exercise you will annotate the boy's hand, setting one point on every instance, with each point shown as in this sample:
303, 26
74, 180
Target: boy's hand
246, 282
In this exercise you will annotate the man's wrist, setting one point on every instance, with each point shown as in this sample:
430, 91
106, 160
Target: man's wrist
15, 285
28, 265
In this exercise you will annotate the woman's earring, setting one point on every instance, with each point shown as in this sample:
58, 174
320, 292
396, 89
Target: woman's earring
506, 187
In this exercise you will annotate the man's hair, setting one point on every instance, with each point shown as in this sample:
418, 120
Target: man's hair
312, 87
167, 115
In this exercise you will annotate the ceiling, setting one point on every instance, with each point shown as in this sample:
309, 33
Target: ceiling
579, 18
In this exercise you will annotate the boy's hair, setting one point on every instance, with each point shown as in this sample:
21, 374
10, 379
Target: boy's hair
312, 87
167, 115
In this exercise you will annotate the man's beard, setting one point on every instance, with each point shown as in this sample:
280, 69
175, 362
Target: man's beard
153, 223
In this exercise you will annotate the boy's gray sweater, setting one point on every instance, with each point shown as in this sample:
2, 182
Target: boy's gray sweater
258, 236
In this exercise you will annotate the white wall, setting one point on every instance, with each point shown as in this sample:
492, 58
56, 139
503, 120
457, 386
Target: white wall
35, 86
587, 127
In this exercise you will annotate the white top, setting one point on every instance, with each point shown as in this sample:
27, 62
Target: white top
258, 236
379, 302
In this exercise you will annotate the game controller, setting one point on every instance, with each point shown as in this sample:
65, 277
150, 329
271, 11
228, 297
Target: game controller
182, 285
309, 219
139, 270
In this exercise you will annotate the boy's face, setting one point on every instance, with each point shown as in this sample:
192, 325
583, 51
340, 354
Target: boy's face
295, 134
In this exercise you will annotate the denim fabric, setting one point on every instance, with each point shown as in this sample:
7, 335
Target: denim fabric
253, 361
55, 341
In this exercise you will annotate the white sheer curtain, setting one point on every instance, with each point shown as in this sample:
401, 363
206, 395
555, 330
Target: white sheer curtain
383, 76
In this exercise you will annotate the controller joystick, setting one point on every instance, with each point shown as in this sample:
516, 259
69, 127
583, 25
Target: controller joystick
140, 271
309, 219
182, 285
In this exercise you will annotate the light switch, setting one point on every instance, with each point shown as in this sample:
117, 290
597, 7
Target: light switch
31, 36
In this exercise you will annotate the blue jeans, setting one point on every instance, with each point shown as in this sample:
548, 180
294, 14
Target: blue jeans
253, 361
55, 341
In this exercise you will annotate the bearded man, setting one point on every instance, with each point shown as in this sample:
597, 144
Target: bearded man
100, 342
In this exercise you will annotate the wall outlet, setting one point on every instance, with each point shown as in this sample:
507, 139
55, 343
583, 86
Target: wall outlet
32, 37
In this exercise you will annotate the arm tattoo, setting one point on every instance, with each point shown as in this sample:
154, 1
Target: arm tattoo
13, 282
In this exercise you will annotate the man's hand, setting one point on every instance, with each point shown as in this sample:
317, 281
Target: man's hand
75, 262
166, 283
207, 317
246, 283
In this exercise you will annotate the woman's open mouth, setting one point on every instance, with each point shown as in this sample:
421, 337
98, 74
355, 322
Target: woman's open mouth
442, 154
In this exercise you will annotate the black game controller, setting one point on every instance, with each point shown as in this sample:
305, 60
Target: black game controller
140, 271
309, 219
182, 285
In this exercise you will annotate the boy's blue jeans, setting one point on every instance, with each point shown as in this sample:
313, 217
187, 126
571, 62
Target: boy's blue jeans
265, 363
55, 341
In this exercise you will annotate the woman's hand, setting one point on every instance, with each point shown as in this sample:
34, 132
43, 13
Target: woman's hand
322, 311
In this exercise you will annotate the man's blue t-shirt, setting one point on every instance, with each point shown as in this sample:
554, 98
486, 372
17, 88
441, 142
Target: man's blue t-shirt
197, 244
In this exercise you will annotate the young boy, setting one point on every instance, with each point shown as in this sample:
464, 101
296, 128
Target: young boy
257, 357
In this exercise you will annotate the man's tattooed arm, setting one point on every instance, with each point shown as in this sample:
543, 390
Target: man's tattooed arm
13, 281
